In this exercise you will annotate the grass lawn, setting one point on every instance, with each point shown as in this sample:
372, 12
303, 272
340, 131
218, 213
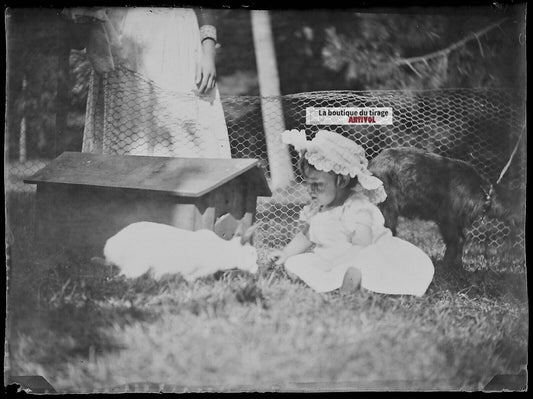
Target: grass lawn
86, 328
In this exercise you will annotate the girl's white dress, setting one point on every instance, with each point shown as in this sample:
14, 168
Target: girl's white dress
149, 104
389, 265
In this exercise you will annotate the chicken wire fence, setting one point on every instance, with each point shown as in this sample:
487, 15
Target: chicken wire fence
480, 126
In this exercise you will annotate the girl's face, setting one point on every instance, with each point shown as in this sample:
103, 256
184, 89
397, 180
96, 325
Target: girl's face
322, 186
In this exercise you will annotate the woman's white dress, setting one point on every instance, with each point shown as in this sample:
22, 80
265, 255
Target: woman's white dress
389, 265
149, 104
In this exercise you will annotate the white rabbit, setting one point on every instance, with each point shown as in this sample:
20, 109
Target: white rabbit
163, 249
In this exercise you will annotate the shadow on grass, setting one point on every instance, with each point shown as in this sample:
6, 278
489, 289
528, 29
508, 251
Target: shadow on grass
61, 300
58, 307
74, 306
480, 282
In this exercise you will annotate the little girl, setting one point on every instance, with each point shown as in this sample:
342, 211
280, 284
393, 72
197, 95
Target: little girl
352, 247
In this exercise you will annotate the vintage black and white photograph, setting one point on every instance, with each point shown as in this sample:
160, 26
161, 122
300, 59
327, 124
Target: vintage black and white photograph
234, 198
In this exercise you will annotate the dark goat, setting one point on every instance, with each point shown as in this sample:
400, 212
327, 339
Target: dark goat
431, 187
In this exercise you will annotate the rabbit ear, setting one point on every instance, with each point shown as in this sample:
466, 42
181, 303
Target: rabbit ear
248, 234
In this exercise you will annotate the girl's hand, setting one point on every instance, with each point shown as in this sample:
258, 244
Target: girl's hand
206, 74
278, 257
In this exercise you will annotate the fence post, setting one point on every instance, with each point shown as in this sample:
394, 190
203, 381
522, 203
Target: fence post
271, 108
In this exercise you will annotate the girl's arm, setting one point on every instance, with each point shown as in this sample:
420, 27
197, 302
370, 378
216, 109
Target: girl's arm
299, 244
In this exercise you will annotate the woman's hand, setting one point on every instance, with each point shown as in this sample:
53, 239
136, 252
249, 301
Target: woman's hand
206, 74
277, 256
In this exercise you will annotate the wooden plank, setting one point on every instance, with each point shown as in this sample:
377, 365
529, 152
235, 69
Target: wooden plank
237, 200
83, 218
187, 177
225, 226
250, 205
184, 216
220, 200
208, 218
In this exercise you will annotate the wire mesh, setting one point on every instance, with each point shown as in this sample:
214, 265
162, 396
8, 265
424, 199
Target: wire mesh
480, 126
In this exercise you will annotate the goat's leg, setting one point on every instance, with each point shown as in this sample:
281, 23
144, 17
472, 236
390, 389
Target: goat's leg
460, 247
454, 240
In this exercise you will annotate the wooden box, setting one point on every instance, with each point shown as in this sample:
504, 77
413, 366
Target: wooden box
83, 199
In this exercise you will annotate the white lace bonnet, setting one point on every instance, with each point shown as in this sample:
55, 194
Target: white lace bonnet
331, 152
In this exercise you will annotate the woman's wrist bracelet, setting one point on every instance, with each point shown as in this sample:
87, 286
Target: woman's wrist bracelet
208, 32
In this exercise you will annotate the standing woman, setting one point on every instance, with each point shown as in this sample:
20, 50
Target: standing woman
153, 84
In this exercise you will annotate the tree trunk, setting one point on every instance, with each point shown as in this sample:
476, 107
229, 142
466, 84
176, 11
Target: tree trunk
22, 132
281, 173
22, 140
62, 97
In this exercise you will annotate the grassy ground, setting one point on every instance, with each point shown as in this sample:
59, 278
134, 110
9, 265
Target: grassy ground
85, 328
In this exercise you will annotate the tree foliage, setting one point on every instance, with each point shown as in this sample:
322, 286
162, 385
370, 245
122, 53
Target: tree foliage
35, 39
353, 50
